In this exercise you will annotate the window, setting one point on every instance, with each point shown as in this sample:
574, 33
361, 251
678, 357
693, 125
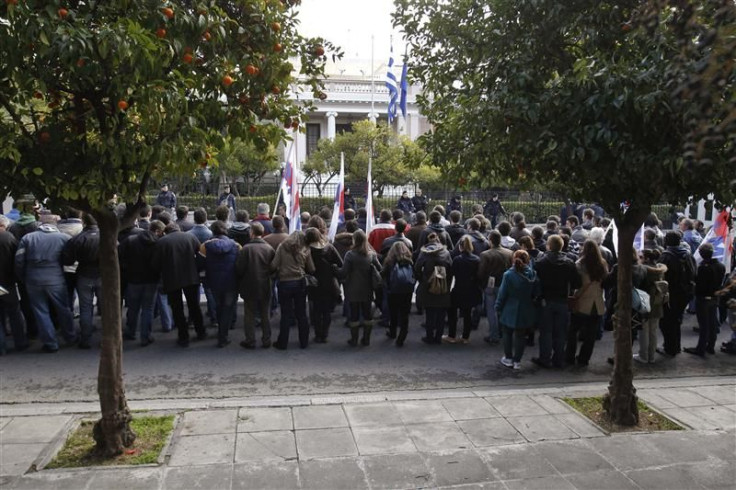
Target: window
343, 128
313, 135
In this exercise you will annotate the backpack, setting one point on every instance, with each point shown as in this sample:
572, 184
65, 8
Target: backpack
437, 283
640, 301
401, 280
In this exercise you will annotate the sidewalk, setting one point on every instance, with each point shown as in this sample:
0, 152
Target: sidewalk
487, 438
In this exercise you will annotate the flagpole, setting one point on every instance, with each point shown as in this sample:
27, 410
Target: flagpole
372, 117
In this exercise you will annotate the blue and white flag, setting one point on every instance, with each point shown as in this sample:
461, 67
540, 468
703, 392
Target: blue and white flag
404, 87
392, 86
722, 239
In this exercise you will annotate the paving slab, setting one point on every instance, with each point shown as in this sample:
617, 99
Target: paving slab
516, 462
492, 485
443, 436
580, 425
396, 471
201, 450
325, 443
332, 473
688, 446
629, 452
722, 395
4, 421
15, 459
684, 398
469, 408
542, 483
689, 419
270, 475
569, 457
516, 406
552, 405
458, 468
383, 440
490, 432
373, 414
319, 417
713, 474
205, 422
542, 428
650, 397
26, 430
673, 476
265, 419
265, 446
423, 411
53, 480
128, 479
601, 480
198, 477
721, 417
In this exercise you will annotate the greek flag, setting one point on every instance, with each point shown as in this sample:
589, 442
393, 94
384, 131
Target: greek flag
392, 86
404, 87
722, 240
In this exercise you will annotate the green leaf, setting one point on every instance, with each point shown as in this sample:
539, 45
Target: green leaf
37, 171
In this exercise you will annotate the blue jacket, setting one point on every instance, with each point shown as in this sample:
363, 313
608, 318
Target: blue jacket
221, 253
38, 259
515, 300
201, 232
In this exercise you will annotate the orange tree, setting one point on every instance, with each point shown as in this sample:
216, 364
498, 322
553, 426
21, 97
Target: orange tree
606, 101
98, 97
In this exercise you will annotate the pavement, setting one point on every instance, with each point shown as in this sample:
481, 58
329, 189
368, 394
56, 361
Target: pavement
498, 437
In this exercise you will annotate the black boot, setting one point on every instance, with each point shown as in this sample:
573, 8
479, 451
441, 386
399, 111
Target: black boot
367, 334
354, 333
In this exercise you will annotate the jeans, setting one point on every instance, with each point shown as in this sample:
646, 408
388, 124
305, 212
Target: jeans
251, 308
514, 342
211, 303
293, 301
707, 313
224, 303
399, 306
587, 326
648, 339
88, 288
10, 306
489, 296
435, 323
671, 325
140, 299
40, 298
191, 293
553, 333
466, 313
161, 304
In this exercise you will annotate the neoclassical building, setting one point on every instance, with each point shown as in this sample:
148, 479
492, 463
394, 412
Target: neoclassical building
352, 96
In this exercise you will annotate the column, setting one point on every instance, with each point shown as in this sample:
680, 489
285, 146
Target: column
331, 124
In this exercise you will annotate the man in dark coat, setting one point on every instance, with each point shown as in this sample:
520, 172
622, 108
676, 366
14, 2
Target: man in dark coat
680, 276
415, 232
492, 209
349, 200
240, 228
432, 255
175, 257
405, 204
9, 304
455, 229
252, 268
419, 201
166, 198
709, 280
182, 218
434, 227
493, 263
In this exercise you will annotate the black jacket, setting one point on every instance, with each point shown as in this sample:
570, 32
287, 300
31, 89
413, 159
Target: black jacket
557, 275
389, 242
240, 232
136, 258
456, 232
441, 233
85, 249
419, 203
709, 278
175, 259
8, 247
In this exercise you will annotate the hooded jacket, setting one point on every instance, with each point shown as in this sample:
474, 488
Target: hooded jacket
441, 234
84, 249
676, 259
136, 258
456, 232
467, 291
356, 276
220, 254
8, 247
515, 300
38, 259
324, 257
431, 255
557, 275
240, 232
343, 242
25, 224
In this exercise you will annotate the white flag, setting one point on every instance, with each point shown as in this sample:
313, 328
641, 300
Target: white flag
369, 200
338, 210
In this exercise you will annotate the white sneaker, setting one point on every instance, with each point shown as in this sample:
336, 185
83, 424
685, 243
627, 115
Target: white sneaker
517, 365
639, 359
507, 362
448, 340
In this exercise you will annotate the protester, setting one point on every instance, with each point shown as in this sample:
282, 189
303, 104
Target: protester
466, 292
9, 303
456, 230
182, 218
263, 218
419, 201
434, 270
519, 229
504, 228
515, 307
435, 226
292, 262
381, 230
493, 208
657, 290
253, 270
280, 233
709, 279
681, 279
398, 274
327, 290
494, 262
415, 232
240, 228
200, 229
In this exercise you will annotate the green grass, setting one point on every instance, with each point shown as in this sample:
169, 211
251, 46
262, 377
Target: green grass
151, 434
649, 420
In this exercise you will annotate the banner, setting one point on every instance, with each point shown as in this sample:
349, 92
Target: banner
338, 211
291, 193
369, 215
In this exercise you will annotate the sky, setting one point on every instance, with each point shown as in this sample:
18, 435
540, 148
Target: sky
350, 24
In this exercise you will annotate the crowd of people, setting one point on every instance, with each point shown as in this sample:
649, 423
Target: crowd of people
555, 285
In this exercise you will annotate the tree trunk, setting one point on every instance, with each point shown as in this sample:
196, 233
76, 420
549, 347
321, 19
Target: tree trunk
112, 432
621, 401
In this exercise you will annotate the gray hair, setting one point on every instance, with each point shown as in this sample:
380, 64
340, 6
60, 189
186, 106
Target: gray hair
597, 235
263, 208
4, 221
